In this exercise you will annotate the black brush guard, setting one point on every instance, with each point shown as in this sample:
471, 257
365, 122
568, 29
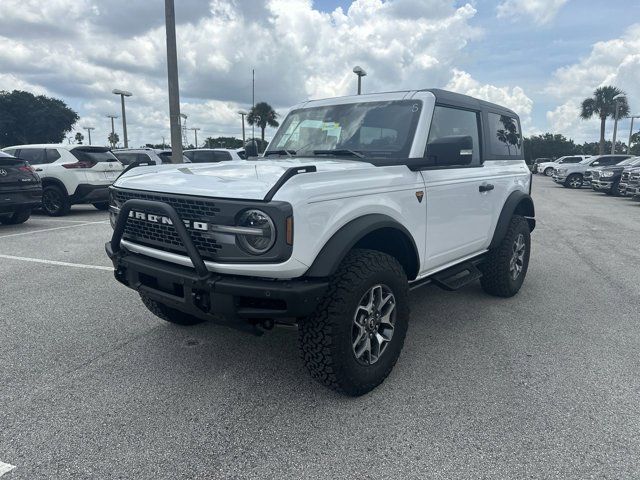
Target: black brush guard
203, 293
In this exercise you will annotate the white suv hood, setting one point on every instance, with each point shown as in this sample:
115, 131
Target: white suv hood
246, 179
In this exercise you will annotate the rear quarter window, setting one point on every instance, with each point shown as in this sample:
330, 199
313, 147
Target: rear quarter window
504, 136
93, 155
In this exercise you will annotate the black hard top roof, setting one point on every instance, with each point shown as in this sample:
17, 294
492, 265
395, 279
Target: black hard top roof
460, 100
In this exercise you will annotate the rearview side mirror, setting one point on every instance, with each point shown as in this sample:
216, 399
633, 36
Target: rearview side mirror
455, 150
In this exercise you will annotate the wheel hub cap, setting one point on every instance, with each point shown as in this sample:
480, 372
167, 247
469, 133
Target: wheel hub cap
373, 324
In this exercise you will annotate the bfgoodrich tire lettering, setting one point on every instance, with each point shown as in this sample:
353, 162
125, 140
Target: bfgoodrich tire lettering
169, 314
326, 337
498, 268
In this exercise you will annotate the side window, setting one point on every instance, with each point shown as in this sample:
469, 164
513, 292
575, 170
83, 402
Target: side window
52, 155
504, 136
35, 156
10, 151
221, 156
452, 122
202, 157
125, 158
573, 160
144, 158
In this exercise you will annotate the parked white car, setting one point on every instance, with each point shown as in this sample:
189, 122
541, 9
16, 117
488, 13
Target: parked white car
211, 155
546, 168
71, 174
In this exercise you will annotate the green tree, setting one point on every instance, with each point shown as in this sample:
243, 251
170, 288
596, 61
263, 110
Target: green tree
113, 139
262, 114
79, 138
603, 105
26, 118
224, 142
549, 145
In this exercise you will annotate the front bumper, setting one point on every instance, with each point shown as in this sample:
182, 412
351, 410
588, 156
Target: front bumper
559, 178
205, 294
601, 185
22, 199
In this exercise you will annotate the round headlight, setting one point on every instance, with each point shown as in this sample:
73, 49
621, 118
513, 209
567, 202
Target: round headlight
264, 235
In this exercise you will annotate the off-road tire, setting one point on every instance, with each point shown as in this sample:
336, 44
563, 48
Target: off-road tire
548, 171
101, 206
15, 218
64, 203
570, 184
325, 339
496, 279
168, 314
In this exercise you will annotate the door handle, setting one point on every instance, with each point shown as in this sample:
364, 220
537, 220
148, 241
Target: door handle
486, 187
38, 169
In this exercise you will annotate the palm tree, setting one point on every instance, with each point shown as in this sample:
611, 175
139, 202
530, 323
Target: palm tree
79, 138
603, 105
262, 114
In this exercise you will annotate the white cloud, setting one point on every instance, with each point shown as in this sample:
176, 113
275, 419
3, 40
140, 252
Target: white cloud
614, 62
510, 97
541, 11
298, 52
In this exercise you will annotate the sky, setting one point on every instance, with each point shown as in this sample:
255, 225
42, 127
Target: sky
539, 57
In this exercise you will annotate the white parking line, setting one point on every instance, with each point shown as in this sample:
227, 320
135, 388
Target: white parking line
54, 262
5, 468
59, 220
51, 229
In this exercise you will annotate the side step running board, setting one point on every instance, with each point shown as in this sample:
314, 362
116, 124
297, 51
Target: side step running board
457, 276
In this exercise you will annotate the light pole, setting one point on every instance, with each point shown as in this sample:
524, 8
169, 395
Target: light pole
88, 129
172, 80
113, 131
123, 93
242, 114
195, 131
359, 71
631, 132
617, 98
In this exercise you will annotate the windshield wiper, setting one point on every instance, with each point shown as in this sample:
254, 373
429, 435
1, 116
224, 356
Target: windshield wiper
339, 151
288, 153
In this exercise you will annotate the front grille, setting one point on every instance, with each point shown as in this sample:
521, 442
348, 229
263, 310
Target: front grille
165, 236
587, 174
625, 176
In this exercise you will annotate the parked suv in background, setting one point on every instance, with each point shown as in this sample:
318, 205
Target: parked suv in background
592, 174
607, 179
578, 174
547, 168
357, 200
625, 178
20, 190
71, 174
211, 155
147, 156
538, 161
633, 186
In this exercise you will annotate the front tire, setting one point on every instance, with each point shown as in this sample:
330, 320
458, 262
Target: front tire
16, 218
55, 202
354, 338
101, 206
574, 181
169, 314
505, 267
548, 171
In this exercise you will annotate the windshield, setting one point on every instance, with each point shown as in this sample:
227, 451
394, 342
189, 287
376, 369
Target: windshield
373, 129
628, 161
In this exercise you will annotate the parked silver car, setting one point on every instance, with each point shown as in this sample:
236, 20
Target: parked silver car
578, 174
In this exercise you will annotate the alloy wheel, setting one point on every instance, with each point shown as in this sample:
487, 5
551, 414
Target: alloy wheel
373, 324
517, 258
51, 201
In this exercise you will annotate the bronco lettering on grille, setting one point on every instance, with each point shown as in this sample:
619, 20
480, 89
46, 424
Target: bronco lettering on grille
149, 217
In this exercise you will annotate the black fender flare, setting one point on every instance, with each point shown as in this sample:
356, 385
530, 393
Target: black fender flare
517, 203
331, 255
46, 181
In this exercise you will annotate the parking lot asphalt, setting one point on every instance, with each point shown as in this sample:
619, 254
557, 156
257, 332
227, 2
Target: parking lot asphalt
543, 385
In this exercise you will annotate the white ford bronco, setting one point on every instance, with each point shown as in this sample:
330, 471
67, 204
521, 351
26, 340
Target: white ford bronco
356, 201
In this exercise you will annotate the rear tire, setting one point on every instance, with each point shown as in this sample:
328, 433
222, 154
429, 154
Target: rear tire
506, 265
101, 206
16, 218
574, 181
169, 314
354, 338
55, 201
